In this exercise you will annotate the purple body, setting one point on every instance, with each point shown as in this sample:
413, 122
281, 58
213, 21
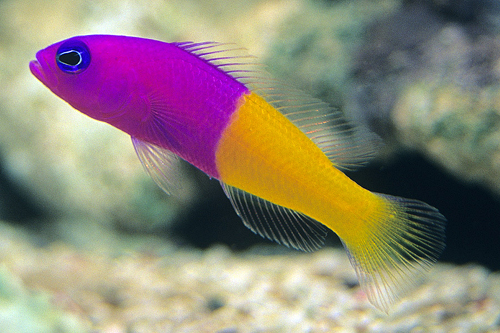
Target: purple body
157, 92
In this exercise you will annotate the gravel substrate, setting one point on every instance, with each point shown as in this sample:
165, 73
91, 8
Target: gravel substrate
220, 291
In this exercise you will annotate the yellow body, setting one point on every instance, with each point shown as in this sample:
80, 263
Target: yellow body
265, 154
389, 240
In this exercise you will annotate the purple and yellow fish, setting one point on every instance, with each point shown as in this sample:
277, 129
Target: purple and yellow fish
277, 152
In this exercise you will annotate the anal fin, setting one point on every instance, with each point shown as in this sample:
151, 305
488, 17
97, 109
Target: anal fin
277, 223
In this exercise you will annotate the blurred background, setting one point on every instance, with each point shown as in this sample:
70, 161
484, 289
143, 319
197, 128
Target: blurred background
423, 75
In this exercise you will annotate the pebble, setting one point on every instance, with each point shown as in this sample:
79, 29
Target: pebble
220, 291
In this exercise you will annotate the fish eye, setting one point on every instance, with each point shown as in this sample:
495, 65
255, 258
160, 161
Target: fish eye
73, 57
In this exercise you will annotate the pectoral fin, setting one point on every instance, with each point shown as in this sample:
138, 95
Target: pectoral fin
161, 164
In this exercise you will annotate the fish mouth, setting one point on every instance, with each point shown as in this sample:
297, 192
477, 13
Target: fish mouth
41, 70
37, 70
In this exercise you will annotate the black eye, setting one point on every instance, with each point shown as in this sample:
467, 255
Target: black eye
73, 57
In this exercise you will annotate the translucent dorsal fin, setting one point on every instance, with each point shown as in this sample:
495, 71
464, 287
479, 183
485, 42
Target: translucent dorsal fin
161, 164
227, 57
277, 223
346, 145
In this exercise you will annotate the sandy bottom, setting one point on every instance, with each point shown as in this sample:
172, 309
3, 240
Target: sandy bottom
58, 289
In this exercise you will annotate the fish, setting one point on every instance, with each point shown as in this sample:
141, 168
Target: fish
279, 154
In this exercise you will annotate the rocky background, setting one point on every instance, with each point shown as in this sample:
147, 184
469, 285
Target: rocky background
424, 75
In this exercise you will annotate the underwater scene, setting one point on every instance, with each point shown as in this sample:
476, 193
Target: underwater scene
240, 166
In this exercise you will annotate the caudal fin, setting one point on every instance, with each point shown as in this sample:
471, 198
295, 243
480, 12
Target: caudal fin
400, 242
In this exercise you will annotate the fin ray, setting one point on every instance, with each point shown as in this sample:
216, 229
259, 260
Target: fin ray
346, 145
401, 243
161, 164
277, 223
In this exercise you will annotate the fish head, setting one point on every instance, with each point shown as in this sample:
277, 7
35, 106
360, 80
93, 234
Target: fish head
93, 74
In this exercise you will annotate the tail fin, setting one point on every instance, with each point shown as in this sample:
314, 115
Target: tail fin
402, 241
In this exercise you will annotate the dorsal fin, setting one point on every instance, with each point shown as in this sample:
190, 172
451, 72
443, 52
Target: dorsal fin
227, 57
277, 223
345, 144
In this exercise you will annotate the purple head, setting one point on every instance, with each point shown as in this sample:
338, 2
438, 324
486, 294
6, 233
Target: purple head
94, 75
160, 93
